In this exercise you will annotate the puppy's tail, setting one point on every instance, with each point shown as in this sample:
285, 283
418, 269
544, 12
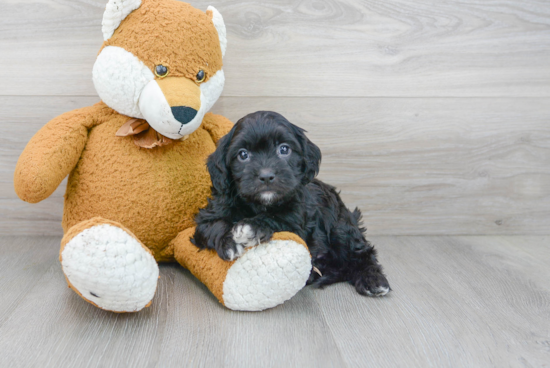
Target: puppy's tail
357, 216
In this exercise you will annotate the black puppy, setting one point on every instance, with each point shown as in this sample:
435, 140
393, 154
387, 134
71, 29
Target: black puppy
263, 182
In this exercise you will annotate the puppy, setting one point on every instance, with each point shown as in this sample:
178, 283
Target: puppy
263, 182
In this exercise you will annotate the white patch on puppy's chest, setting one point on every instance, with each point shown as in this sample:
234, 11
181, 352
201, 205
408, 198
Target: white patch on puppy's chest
267, 198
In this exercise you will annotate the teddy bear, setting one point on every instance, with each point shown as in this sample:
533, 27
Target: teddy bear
136, 163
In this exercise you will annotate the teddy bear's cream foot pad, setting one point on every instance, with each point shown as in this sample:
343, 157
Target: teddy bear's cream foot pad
266, 276
110, 268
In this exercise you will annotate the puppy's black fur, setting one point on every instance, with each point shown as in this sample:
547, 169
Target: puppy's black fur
263, 176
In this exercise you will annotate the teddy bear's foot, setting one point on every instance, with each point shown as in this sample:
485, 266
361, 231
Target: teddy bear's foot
263, 277
107, 266
266, 275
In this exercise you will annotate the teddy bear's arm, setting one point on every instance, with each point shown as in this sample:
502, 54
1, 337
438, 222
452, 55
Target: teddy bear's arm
52, 153
216, 125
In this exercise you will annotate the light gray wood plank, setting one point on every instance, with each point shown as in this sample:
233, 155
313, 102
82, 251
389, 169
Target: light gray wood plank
185, 326
525, 255
317, 48
54, 327
23, 262
456, 302
414, 166
464, 301
200, 332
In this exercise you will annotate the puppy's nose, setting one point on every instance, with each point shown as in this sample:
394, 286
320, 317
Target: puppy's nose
266, 176
183, 114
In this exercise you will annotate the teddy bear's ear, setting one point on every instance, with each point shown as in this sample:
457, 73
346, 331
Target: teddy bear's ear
217, 19
115, 12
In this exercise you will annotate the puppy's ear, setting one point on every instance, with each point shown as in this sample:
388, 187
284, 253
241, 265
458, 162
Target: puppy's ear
217, 165
312, 158
310, 152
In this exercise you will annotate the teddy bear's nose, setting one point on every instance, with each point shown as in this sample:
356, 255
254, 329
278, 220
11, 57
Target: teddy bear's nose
183, 114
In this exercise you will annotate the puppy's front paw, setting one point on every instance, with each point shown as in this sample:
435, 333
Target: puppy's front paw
249, 235
372, 282
231, 251
244, 235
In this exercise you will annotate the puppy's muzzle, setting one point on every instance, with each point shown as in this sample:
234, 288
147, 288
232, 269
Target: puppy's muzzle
266, 176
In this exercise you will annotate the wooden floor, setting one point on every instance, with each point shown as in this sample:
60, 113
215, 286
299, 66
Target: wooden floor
462, 301
433, 118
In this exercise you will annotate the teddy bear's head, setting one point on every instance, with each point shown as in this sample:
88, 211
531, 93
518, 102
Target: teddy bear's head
161, 61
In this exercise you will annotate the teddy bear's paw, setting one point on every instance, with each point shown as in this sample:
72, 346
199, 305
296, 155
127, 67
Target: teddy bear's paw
110, 268
266, 275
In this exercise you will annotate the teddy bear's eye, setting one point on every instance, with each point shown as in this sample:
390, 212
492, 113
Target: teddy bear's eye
201, 75
161, 71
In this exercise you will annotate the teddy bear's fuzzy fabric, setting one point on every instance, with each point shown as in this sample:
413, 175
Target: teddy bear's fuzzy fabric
129, 207
143, 33
212, 270
155, 193
108, 292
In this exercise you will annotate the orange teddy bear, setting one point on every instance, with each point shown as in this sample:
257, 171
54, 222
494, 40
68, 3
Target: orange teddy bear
136, 166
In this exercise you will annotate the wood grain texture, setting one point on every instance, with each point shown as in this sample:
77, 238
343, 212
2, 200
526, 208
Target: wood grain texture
414, 166
200, 332
466, 301
456, 302
185, 326
23, 261
309, 48
433, 118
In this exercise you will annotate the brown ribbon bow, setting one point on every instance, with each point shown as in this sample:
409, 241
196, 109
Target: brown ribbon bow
144, 135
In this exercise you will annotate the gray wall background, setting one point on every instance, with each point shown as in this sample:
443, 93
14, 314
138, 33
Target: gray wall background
433, 116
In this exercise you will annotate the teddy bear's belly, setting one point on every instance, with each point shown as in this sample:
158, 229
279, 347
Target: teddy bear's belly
155, 193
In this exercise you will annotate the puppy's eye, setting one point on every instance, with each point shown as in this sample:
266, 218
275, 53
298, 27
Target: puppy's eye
201, 75
161, 71
284, 150
243, 155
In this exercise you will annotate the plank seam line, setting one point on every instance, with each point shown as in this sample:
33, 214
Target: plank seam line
329, 327
339, 96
